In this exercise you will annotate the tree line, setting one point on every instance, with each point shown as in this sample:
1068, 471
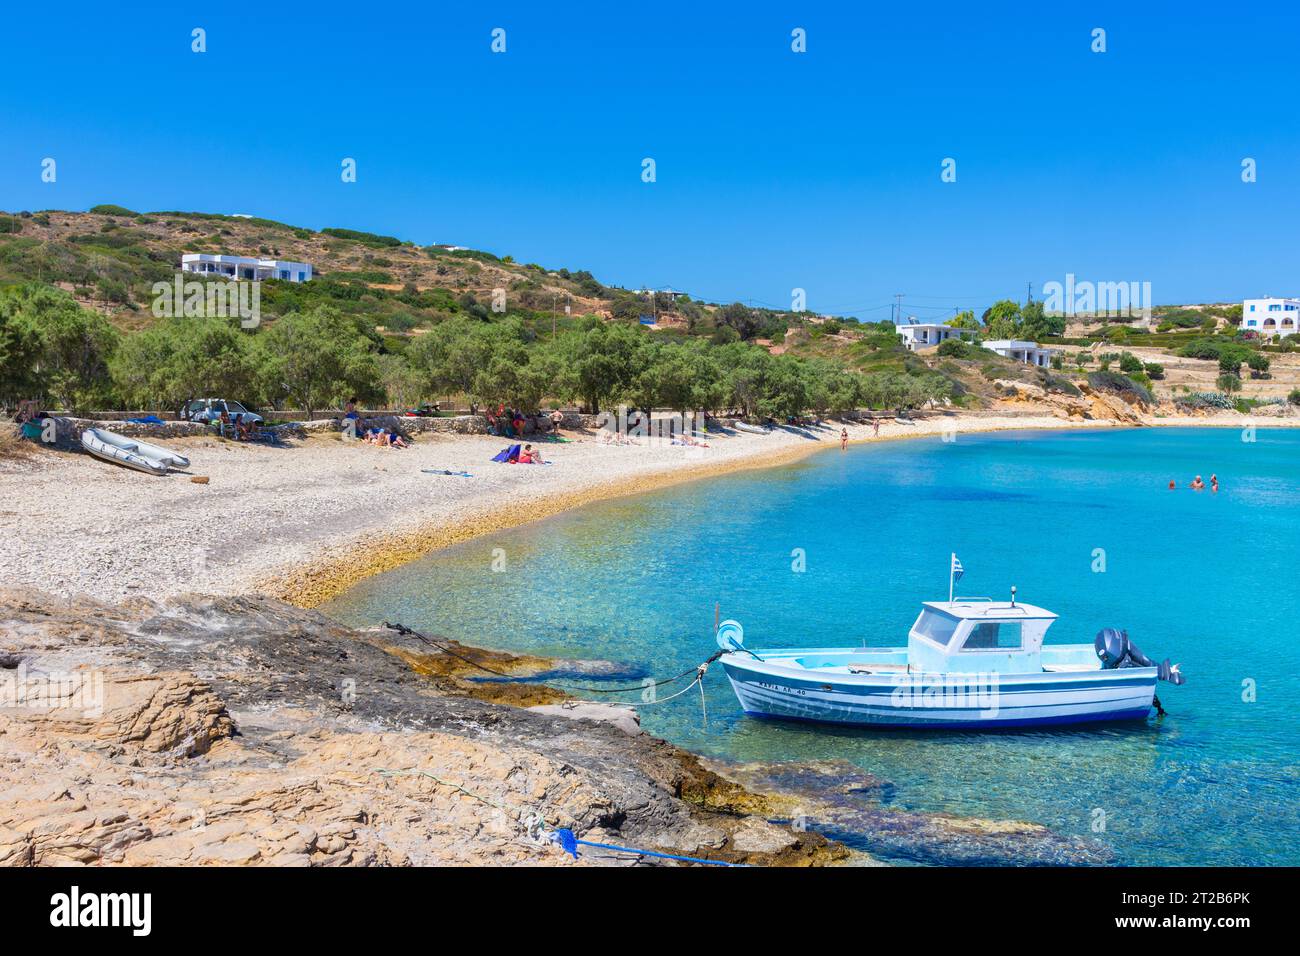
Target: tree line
57, 352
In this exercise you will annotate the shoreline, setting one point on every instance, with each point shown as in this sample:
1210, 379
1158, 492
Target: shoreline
345, 565
307, 522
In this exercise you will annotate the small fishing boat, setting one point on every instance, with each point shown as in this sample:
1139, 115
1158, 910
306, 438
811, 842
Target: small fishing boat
971, 663
131, 452
752, 429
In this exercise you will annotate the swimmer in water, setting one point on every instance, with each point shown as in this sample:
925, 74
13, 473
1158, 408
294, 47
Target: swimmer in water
1214, 482
1198, 485
1172, 484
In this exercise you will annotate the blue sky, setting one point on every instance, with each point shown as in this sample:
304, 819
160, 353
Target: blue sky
775, 170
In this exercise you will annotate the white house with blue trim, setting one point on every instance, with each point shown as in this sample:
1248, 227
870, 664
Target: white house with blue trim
1031, 353
245, 267
1280, 317
923, 335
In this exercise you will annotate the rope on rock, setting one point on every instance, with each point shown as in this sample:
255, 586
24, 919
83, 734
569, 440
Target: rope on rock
569, 843
536, 827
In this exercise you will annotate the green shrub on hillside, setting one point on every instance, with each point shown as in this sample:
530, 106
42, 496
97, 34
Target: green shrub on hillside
1119, 384
365, 238
108, 209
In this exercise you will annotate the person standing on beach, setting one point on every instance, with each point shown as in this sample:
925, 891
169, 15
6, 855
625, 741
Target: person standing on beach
875, 427
844, 439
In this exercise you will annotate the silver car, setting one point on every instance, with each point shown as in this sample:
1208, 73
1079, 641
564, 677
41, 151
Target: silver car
210, 409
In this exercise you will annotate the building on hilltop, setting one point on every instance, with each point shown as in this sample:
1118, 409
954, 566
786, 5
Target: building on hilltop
245, 267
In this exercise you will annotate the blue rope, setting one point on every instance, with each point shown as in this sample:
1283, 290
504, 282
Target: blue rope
569, 843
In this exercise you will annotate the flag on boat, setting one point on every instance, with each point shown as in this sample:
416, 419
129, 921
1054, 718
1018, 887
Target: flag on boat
957, 569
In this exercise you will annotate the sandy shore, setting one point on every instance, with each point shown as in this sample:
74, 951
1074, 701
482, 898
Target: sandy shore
306, 522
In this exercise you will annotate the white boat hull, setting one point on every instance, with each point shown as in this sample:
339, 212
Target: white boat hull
139, 455
971, 701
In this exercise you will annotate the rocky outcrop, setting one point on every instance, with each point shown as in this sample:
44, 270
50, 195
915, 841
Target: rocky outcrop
307, 743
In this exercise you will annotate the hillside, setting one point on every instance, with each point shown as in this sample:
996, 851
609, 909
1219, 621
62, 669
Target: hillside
405, 323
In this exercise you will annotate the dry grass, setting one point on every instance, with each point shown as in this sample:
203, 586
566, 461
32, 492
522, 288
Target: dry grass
13, 446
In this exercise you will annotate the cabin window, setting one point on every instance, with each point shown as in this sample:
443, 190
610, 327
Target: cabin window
937, 627
994, 635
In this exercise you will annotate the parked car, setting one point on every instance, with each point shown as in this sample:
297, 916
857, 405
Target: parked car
210, 409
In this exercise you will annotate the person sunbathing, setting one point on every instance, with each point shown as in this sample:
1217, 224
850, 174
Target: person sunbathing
529, 456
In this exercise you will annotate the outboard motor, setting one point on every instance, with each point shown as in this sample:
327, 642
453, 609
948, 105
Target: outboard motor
1114, 649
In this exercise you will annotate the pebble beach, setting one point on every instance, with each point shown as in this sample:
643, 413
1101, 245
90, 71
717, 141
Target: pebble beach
307, 521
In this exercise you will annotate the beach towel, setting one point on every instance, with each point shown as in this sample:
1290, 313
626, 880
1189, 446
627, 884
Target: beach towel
147, 420
444, 471
508, 454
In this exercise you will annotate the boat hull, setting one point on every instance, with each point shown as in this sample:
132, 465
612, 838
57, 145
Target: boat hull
142, 456
941, 701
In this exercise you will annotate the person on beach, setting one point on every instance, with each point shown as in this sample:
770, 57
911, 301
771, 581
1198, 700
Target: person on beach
875, 427
844, 439
1198, 485
557, 419
529, 456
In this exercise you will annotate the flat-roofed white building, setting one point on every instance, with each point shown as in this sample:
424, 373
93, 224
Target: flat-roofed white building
1280, 317
923, 335
245, 267
1031, 353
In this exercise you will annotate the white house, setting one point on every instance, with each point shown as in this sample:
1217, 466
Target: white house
245, 267
922, 335
1030, 353
1278, 317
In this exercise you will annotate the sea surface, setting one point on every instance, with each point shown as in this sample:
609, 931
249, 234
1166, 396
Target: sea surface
843, 546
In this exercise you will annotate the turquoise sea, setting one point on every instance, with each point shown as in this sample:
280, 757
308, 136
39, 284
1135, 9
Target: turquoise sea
1211, 580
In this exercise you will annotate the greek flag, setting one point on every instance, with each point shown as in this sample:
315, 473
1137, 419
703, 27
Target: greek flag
957, 569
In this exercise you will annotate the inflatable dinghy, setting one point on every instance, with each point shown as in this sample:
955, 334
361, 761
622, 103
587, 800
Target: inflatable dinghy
752, 429
131, 452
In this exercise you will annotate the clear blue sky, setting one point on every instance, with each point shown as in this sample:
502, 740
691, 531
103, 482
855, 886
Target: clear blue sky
775, 170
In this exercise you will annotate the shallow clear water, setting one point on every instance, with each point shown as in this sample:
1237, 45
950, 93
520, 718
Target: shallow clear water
1208, 580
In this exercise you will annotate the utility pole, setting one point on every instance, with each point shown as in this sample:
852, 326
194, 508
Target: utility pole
1029, 293
898, 308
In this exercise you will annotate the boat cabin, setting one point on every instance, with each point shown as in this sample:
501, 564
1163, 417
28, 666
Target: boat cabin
978, 634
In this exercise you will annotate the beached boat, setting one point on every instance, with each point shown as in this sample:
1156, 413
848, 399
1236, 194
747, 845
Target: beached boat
752, 429
972, 663
131, 452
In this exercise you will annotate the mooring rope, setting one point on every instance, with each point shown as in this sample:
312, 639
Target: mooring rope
563, 837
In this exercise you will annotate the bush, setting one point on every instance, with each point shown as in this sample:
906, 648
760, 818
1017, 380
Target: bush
1119, 384
1129, 363
1154, 370
1200, 400
1228, 382
10, 224
365, 238
1294, 397
108, 209
954, 348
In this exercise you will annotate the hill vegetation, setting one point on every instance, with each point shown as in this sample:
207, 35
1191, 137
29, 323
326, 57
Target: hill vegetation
397, 324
